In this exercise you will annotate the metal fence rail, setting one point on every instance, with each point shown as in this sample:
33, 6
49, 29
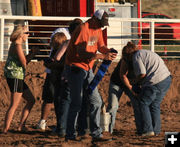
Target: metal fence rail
120, 31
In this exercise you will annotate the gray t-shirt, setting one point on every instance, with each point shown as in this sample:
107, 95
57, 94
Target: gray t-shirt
151, 64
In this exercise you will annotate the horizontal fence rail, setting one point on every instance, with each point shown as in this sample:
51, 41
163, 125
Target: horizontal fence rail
146, 33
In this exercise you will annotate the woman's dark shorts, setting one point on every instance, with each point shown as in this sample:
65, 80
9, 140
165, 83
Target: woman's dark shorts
51, 88
16, 85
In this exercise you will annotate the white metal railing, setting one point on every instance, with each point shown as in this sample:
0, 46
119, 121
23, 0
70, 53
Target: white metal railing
2, 39
114, 32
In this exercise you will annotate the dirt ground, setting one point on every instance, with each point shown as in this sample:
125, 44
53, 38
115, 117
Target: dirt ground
125, 127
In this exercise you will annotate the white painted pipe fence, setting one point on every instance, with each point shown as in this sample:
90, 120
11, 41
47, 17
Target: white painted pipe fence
117, 28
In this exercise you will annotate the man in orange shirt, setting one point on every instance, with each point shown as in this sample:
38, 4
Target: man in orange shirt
86, 40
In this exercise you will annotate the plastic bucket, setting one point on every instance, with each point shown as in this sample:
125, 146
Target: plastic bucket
105, 121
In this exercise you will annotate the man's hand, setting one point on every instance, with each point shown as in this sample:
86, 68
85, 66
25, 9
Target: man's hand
134, 93
110, 56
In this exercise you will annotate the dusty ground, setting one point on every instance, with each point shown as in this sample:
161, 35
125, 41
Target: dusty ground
167, 7
125, 128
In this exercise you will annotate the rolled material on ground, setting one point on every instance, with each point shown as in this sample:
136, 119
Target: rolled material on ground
100, 73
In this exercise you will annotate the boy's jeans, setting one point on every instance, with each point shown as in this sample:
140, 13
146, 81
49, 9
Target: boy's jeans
115, 92
63, 107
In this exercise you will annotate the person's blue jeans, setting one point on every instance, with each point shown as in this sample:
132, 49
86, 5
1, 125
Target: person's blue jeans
82, 122
115, 92
78, 80
150, 100
63, 107
55, 86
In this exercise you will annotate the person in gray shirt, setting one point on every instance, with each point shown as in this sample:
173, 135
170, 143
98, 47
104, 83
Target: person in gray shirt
154, 80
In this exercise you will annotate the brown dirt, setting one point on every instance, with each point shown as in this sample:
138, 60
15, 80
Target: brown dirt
125, 128
167, 7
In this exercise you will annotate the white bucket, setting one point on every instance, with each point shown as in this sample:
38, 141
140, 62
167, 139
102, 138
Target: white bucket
105, 121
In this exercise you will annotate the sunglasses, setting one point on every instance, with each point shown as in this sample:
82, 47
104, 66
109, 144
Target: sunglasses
26, 32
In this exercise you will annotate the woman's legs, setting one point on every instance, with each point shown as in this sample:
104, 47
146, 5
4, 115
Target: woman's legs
27, 95
155, 106
15, 99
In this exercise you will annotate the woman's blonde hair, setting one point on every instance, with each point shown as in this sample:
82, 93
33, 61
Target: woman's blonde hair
17, 32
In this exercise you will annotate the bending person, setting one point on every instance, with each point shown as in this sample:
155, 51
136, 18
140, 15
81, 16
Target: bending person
59, 92
123, 73
53, 78
154, 79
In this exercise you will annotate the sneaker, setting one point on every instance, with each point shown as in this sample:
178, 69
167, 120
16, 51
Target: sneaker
148, 134
138, 133
42, 125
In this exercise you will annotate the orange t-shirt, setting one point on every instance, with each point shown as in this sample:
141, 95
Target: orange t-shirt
84, 43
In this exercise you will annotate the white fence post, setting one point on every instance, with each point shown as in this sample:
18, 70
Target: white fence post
26, 43
152, 36
2, 39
